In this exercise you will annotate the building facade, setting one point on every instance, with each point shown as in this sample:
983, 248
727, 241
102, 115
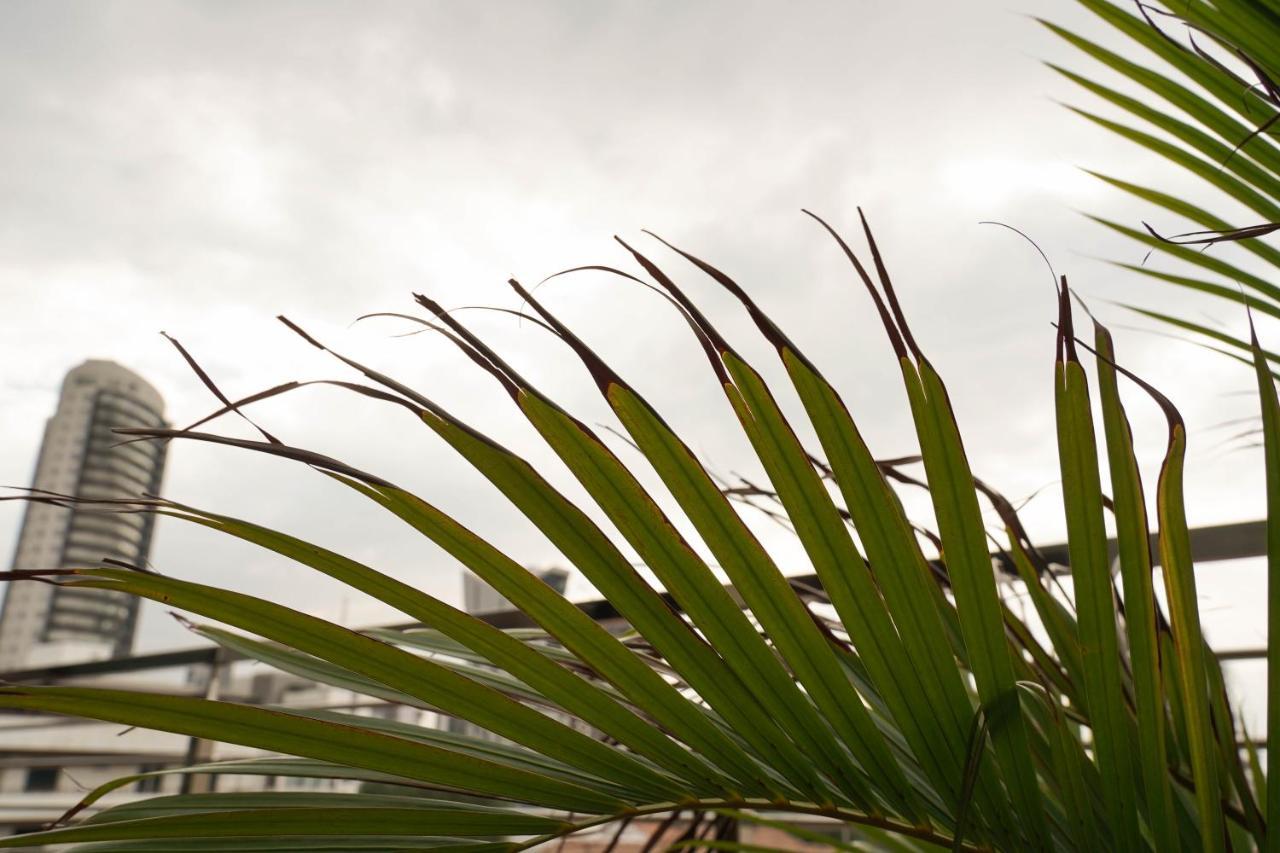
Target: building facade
48, 763
478, 597
42, 625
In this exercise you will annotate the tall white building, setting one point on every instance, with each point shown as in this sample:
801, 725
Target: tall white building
42, 625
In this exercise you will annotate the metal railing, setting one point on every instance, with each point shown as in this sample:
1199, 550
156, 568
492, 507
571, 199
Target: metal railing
1208, 544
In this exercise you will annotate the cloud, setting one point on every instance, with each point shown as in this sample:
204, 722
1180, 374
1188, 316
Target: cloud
201, 167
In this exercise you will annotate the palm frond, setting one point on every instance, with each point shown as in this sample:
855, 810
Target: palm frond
1208, 104
905, 698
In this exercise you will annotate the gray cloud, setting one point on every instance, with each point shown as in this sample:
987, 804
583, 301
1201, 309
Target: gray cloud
200, 167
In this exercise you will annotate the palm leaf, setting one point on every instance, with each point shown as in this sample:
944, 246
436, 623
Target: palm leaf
1214, 117
906, 697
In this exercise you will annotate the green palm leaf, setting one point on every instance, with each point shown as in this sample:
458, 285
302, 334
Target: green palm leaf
906, 697
1214, 117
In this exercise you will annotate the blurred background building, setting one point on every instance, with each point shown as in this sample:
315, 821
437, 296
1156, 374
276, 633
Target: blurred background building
479, 597
80, 455
48, 763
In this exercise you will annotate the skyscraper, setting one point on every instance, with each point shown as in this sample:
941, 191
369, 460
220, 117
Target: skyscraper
42, 625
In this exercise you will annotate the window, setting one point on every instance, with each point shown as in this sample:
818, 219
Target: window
42, 779
149, 784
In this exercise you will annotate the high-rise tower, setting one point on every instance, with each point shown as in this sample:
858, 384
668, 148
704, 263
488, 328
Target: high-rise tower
42, 625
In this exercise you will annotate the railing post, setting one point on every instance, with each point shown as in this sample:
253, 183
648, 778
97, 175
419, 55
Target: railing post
200, 750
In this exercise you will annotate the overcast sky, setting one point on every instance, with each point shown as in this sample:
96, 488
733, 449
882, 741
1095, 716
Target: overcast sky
200, 167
